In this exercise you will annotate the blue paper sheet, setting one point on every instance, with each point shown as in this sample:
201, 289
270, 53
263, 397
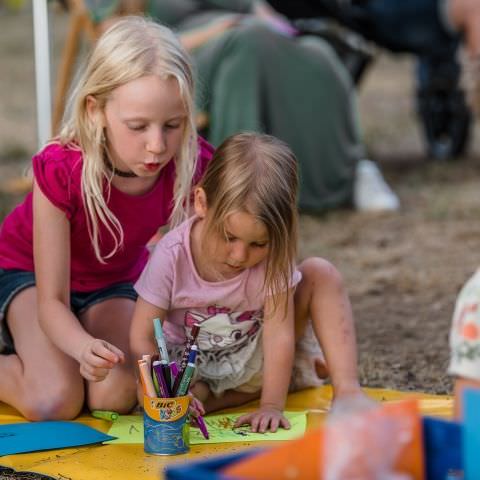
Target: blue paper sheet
35, 436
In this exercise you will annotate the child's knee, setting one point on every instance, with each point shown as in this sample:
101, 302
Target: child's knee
121, 397
316, 269
53, 403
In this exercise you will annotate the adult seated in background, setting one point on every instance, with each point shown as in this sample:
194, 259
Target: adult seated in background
432, 30
254, 74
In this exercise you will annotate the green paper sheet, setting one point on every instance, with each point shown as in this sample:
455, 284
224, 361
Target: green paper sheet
129, 429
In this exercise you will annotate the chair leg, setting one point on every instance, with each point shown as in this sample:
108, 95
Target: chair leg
64, 76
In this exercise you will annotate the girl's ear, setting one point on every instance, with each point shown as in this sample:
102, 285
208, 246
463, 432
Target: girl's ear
93, 110
200, 202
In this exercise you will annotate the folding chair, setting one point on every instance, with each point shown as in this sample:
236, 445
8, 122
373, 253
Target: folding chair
81, 24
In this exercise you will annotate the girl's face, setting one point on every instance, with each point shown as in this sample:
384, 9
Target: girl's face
144, 121
245, 245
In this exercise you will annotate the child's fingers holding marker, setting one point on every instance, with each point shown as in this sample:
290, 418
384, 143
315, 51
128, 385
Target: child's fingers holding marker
196, 405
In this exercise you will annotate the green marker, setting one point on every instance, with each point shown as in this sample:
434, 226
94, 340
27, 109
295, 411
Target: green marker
185, 382
105, 415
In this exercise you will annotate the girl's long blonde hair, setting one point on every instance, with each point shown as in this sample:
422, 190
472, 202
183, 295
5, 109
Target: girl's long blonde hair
257, 174
132, 48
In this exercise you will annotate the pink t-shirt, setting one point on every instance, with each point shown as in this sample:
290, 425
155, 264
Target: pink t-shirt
171, 281
57, 170
230, 312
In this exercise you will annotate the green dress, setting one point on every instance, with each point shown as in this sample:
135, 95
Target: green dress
251, 78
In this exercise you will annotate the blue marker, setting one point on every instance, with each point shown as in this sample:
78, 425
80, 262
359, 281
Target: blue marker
162, 346
192, 356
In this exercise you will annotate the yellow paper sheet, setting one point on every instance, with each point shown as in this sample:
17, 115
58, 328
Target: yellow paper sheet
127, 461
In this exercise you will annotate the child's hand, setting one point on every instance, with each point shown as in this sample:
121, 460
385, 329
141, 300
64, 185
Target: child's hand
196, 407
264, 419
98, 358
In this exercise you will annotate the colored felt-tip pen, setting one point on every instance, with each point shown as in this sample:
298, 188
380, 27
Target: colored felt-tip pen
105, 415
164, 391
203, 427
186, 379
146, 379
162, 346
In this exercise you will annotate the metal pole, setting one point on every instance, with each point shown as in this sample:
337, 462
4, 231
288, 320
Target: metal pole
42, 71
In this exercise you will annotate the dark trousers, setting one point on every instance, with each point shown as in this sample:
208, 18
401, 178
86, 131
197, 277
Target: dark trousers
410, 26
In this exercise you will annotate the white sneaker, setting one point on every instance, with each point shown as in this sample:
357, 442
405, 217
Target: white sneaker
370, 191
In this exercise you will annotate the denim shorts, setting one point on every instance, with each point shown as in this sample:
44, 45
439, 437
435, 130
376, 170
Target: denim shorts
13, 282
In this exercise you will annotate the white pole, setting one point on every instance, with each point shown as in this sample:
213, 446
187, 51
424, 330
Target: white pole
42, 71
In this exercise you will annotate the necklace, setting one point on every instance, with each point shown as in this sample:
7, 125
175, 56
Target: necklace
121, 173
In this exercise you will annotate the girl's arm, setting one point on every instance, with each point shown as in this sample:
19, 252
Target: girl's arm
142, 336
278, 354
51, 251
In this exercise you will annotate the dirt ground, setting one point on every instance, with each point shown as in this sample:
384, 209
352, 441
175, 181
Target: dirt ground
403, 270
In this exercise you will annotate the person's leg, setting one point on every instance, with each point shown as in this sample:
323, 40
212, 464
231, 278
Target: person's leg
110, 320
230, 398
321, 296
39, 380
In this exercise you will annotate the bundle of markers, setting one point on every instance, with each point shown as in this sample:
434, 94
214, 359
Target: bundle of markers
165, 379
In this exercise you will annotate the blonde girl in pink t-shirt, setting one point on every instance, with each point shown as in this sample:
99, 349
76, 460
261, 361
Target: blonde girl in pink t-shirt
246, 223
121, 167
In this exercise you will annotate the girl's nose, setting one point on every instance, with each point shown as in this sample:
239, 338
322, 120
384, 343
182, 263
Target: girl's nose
239, 253
156, 142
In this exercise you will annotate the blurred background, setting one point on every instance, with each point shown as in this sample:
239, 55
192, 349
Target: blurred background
402, 269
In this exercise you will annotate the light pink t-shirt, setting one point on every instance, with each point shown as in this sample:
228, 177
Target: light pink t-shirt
230, 312
57, 170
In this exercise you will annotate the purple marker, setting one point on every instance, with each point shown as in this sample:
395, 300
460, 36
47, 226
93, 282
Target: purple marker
173, 369
203, 427
164, 390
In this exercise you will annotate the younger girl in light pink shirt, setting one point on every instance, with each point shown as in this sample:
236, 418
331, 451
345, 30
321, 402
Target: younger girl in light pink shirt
231, 269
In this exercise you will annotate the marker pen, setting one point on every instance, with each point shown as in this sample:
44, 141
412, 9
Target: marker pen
173, 369
162, 386
162, 346
186, 379
191, 359
105, 415
146, 379
148, 358
166, 373
190, 341
203, 427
